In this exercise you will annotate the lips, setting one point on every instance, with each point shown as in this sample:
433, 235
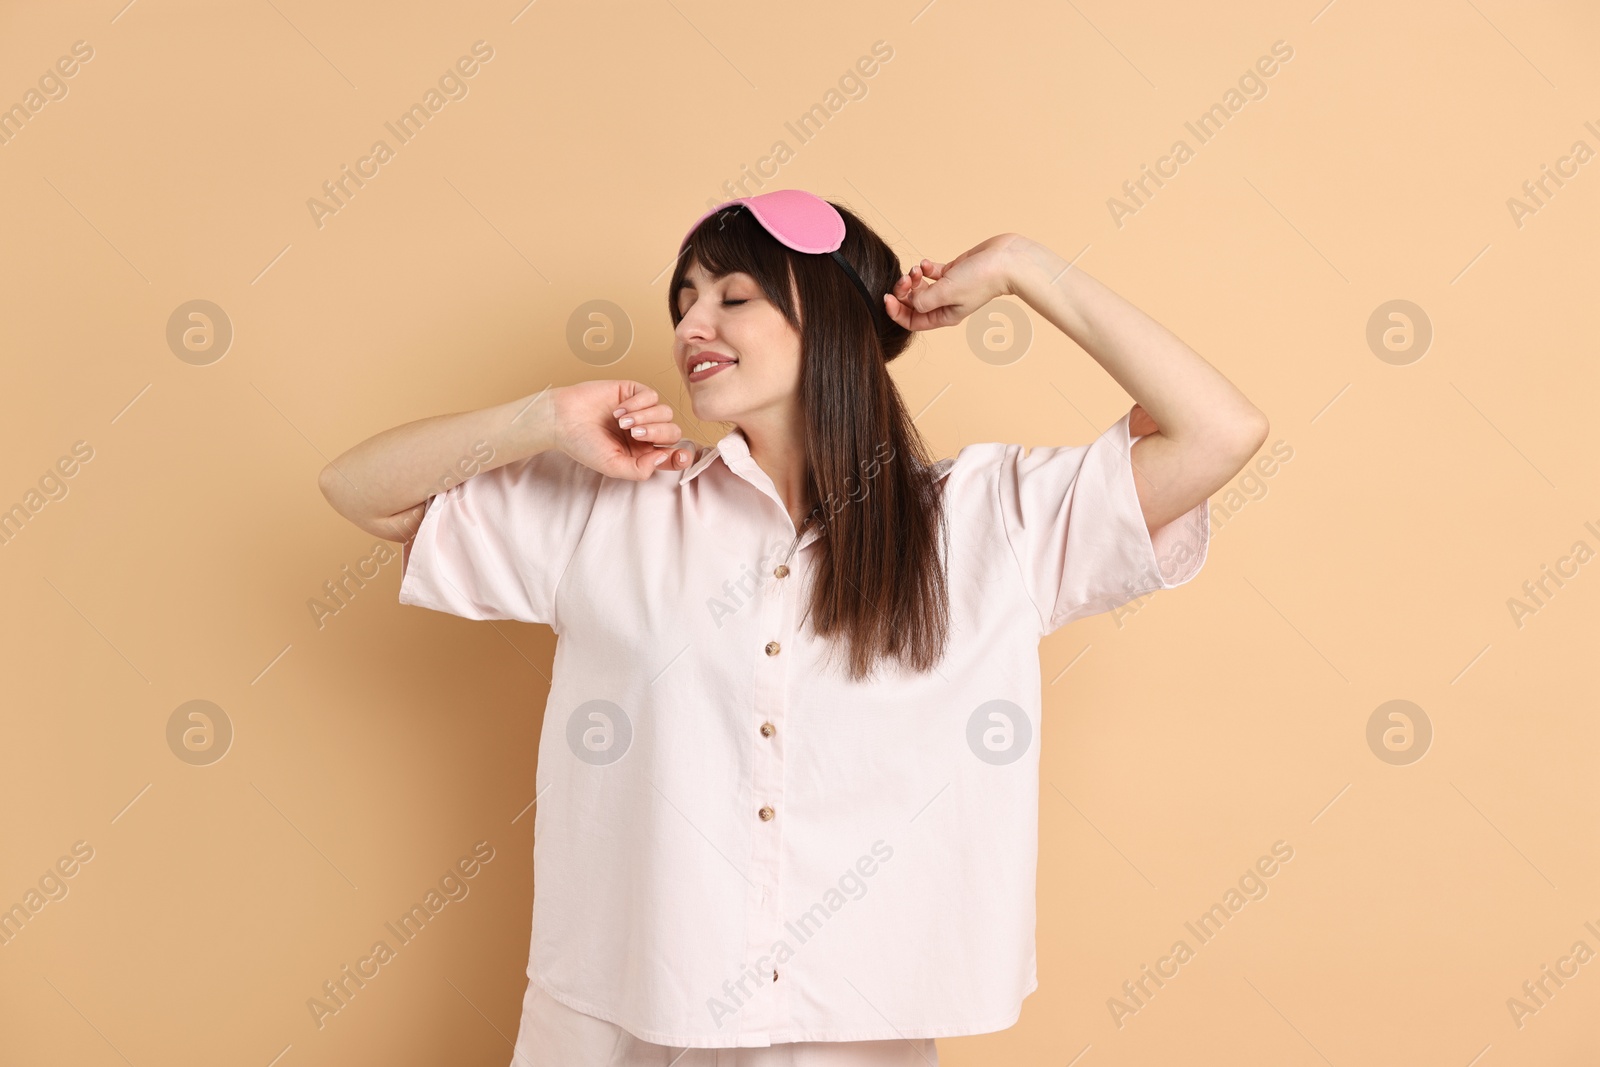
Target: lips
719, 361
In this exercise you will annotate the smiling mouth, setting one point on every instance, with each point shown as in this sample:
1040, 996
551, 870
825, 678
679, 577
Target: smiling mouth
705, 368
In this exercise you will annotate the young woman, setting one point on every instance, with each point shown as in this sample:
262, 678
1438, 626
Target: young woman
788, 772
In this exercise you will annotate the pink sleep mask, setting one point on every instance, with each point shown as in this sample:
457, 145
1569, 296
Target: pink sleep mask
806, 223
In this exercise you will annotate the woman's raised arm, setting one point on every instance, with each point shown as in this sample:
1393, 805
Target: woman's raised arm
1199, 430
383, 484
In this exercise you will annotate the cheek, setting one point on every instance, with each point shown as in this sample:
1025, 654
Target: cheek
776, 363
782, 345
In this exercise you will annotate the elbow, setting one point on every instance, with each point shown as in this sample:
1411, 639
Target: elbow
331, 482
1240, 439
325, 482
1258, 427
1249, 431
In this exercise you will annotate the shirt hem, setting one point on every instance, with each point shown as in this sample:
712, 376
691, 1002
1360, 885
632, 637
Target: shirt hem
761, 1039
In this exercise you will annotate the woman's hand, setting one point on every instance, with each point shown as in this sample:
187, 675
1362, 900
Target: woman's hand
955, 289
587, 429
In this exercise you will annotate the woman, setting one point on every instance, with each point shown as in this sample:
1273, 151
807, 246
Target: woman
788, 772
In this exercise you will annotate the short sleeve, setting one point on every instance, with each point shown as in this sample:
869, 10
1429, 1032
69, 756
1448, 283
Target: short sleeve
1073, 520
496, 545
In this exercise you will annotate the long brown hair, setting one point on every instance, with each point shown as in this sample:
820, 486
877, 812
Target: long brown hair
880, 585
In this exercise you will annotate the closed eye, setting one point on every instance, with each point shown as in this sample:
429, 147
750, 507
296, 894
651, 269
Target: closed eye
726, 302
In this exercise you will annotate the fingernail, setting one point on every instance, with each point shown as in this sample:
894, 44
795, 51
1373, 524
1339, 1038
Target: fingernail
638, 431
625, 423
659, 460
617, 412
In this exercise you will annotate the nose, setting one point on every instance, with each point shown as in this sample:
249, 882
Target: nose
696, 325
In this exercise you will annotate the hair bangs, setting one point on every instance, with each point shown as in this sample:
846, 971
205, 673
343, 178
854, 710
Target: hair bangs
731, 241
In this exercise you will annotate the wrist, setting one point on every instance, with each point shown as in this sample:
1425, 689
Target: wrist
532, 425
1033, 267
1050, 286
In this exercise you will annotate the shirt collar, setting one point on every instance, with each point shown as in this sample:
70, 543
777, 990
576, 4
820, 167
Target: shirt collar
734, 448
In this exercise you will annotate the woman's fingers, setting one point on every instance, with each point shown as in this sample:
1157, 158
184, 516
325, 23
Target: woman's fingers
911, 319
909, 285
918, 300
900, 292
644, 416
646, 428
650, 460
654, 433
902, 287
650, 426
640, 396
896, 311
931, 297
932, 294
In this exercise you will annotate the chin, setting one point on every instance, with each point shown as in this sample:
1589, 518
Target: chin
712, 411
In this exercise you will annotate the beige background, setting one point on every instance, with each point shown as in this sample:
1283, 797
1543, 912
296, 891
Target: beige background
1182, 740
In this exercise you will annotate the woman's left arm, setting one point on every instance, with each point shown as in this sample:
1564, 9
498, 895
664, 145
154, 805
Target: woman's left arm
1197, 430
1200, 429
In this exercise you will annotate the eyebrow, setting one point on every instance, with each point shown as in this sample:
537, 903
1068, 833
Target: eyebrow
688, 283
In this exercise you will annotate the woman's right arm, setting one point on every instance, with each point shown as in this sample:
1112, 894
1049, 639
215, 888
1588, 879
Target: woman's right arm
383, 484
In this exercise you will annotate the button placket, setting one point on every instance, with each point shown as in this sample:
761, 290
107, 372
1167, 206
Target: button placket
764, 919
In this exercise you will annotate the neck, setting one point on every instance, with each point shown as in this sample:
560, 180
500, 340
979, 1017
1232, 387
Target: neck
777, 445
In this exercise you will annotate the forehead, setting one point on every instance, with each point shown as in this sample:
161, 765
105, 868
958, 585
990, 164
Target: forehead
697, 275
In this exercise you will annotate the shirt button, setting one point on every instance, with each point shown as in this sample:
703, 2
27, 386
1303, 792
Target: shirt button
781, 572
772, 648
766, 814
767, 729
